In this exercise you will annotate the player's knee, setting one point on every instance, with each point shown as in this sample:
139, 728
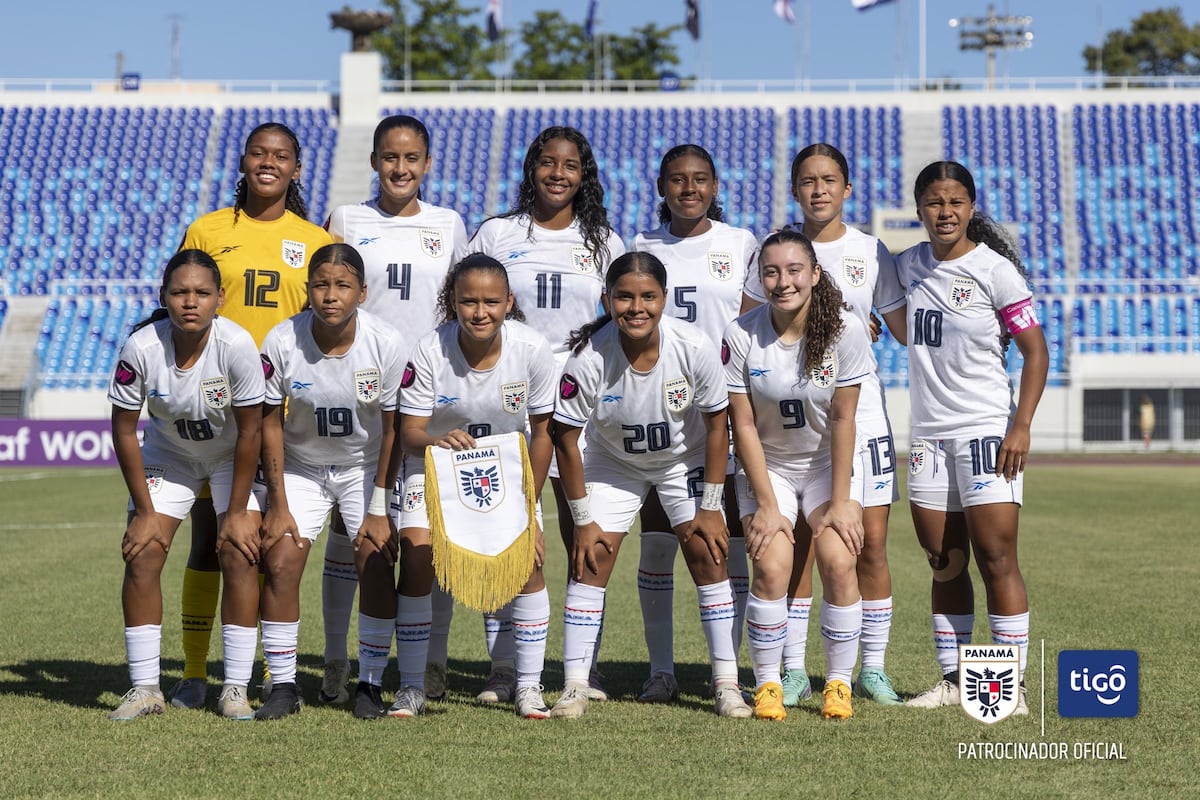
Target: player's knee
947, 566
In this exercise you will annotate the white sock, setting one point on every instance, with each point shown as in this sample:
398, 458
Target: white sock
599, 640
949, 631
1012, 630
797, 632
656, 590
876, 630
716, 618
439, 634
238, 645
374, 645
279, 641
497, 630
142, 645
583, 613
840, 628
531, 622
739, 579
338, 584
414, 616
766, 631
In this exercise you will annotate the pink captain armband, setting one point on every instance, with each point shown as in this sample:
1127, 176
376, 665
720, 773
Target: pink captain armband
1020, 316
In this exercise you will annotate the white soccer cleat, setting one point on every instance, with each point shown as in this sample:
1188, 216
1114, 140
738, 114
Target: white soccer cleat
943, 693
573, 703
530, 704
139, 702
232, 704
728, 702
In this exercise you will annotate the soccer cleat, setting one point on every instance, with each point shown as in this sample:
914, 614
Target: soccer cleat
729, 703
368, 704
874, 684
500, 687
284, 701
435, 681
837, 701
572, 703
232, 704
138, 702
333, 684
943, 693
594, 689
530, 704
769, 703
190, 693
410, 702
1022, 705
795, 687
661, 687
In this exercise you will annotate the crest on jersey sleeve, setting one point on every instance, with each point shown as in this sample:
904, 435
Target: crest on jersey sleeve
366, 384
413, 496
568, 386
480, 480
294, 253
215, 392
720, 265
916, 458
824, 375
854, 270
514, 396
678, 394
987, 681
433, 243
155, 474
583, 260
962, 292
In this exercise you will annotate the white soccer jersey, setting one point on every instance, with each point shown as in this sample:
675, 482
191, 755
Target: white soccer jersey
706, 274
439, 384
557, 281
862, 268
791, 410
957, 370
191, 410
648, 420
407, 259
333, 402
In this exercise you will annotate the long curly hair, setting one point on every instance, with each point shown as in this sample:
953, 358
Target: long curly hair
588, 205
679, 151
633, 261
980, 228
294, 202
825, 323
475, 262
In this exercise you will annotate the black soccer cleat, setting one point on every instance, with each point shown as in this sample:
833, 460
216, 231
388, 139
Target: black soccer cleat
284, 701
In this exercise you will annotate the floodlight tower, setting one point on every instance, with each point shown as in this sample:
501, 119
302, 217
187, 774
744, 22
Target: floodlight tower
992, 33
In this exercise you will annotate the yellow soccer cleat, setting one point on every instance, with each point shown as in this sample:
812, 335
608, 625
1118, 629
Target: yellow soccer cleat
768, 702
837, 701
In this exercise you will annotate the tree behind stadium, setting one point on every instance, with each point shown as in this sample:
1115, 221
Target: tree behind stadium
1158, 42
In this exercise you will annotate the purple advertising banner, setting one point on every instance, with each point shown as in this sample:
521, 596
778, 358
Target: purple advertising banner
56, 443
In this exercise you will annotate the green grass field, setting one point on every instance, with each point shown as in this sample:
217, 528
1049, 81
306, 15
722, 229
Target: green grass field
1109, 554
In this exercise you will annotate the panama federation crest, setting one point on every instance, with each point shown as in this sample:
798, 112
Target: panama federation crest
916, 458
366, 384
720, 265
854, 270
216, 392
480, 481
413, 496
432, 242
987, 681
514, 396
154, 477
962, 292
294, 253
824, 375
678, 394
583, 260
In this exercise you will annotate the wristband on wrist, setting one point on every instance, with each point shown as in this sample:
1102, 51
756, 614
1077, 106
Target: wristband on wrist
379, 504
581, 512
711, 499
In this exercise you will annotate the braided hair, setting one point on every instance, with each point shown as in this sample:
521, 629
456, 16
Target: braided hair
715, 212
294, 201
588, 204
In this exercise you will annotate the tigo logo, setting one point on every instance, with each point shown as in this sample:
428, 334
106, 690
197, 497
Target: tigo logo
1098, 683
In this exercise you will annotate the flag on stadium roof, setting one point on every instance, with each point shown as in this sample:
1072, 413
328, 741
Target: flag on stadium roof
693, 18
783, 9
863, 5
589, 26
493, 20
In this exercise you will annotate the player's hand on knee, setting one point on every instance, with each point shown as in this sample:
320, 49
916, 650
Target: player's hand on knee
764, 526
142, 530
239, 531
583, 553
277, 524
376, 533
